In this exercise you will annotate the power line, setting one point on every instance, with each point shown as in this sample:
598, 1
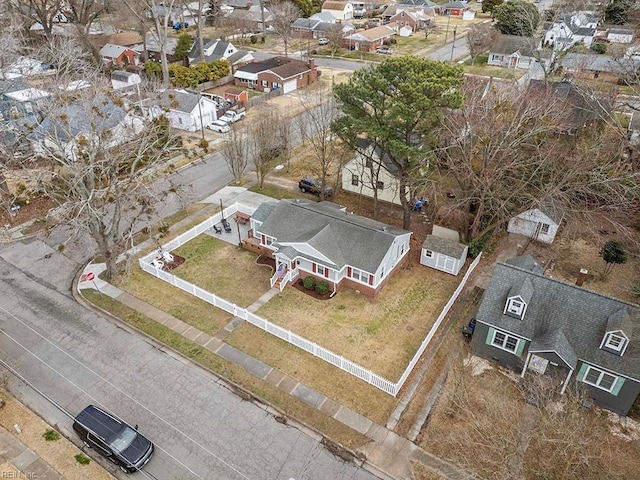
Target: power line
191, 439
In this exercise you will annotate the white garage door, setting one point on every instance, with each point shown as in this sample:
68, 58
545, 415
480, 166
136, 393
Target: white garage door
289, 86
446, 264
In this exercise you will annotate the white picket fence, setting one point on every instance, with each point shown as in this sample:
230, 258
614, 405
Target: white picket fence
282, 333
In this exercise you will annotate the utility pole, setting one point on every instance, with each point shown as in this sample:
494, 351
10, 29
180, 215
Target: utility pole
446, 33
453, 44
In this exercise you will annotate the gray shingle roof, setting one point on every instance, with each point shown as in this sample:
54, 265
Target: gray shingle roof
445, 246
181, 101
555, 341
526, 262
508, 44
345, 239
579, 314
112, 51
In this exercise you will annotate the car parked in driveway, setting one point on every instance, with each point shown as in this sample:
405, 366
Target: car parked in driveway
384, 50
219, 126
312, 185
113, 438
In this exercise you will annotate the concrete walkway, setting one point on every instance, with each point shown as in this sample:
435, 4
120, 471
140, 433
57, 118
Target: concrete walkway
19, 461
390, 453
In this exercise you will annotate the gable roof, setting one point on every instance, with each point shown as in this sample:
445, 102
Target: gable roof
333, 5
454, 5
526, 262
306, 23
344, 238
445, 246
182, 101
219, 51
555, 307
112, 51
600, 63
508, 44
373, 34
417, 3
363, 144
283, 67
323, 17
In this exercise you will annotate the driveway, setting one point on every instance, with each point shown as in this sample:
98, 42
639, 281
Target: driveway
77, 357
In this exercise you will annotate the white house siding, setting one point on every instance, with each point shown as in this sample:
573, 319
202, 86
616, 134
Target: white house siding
526, 224
620, 37
442, 262
395, 254
357, 166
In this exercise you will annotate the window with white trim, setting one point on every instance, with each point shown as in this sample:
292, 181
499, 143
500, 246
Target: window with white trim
614, 342
544, 229
355, 180
515, 306
323, 271
265, 83
359, 275
428, 253
599, 379
505, 342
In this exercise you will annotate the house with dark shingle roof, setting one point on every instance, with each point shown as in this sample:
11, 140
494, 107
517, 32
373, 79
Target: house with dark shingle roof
512, 51
324, 240
277, 72
537, 325
219, 50
454, 9
571, 28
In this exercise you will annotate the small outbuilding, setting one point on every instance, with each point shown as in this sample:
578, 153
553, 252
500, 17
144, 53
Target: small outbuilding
443, 254
538, 223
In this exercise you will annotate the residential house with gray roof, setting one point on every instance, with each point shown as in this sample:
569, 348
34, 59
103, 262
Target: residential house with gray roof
537, 325
324, 240
220, 50
513, 51
571, 28
186, 110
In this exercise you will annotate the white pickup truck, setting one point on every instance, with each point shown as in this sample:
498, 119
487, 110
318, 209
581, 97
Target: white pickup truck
232, 116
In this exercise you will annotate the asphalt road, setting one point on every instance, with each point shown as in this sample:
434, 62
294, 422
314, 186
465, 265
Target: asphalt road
202, 430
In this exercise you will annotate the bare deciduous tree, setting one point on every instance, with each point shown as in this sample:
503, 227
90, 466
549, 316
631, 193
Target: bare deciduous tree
235, 149
39, 11
319, 114
265, 146
480, 38
284, 14
94, 164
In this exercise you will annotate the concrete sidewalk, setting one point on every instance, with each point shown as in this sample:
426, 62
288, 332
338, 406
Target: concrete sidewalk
19, 461
391, 454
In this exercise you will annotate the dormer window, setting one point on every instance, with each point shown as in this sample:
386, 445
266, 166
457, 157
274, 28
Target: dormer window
615, 342
515, 307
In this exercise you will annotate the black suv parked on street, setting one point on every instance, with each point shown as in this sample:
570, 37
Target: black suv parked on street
311, 185
113, 438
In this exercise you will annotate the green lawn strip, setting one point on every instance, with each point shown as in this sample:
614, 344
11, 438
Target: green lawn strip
223, 269
182, 305
340, 386
271, 394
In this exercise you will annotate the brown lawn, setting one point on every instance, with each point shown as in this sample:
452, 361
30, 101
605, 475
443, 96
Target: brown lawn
223, 269
381, 334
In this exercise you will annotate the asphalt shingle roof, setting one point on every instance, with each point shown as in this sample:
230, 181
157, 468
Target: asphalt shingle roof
445, 246
556, 307
344, 238
555, 341
282, 66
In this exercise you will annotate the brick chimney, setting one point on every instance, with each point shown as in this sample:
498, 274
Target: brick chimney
582, 276
312, 63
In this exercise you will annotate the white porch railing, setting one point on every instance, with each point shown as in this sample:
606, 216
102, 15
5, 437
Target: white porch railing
288, 336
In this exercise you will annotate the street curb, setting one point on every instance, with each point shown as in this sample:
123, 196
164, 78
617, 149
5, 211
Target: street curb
356, 457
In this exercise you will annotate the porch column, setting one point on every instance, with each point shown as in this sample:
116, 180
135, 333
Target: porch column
526, 364
566, 382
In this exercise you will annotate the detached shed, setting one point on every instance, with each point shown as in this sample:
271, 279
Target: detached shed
538, 223
443, 254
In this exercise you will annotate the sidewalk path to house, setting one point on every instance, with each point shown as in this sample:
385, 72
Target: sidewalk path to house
390, 454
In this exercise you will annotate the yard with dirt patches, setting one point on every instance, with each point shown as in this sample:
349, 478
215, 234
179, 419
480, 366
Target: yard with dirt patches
477, 420
381, 334
223, 269
566, 256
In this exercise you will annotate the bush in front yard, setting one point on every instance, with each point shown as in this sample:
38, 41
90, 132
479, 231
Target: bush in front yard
309, 283
322, 288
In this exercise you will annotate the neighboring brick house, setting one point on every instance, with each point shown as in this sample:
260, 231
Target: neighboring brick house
454, 9
341, 11
324, 240
415, 18
119, 56
537, 325
275, 73
369, 40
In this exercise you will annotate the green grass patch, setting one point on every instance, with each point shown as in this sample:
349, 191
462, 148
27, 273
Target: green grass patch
491, 71
50, 435
82, 459
264, 390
